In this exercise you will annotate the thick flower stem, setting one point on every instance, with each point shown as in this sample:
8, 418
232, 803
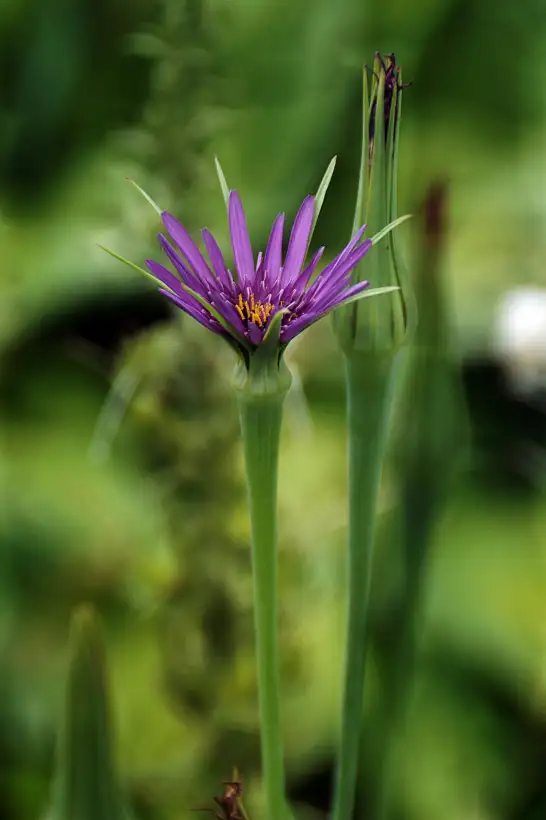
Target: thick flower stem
369, 379
260, 424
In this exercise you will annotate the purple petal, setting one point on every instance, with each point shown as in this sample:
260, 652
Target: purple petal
188, 248
330, 281
240, 242
334, 273
319, 301
299, 240
273, 251
306, 275
352, 244
184, 272
351, 261
217, 259
347, 251
165, 276
194, 310
255, 333
352, 291
289, 331
329, 301
319, 312
225, 306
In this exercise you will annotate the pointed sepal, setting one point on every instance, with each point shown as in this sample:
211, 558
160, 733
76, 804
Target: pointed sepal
223, 181
321, 194
147, 197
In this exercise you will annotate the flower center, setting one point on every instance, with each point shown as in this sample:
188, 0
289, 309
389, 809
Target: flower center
252, 311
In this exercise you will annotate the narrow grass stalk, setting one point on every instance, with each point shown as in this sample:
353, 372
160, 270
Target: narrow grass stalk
261, 424
369, 379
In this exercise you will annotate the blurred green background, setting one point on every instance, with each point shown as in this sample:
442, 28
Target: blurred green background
121, 473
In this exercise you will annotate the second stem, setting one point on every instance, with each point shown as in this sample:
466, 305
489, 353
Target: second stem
369, 381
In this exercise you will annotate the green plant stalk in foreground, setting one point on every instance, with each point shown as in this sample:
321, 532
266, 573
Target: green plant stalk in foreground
260, 393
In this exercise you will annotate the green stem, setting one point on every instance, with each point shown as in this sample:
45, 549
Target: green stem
261, 425
369, 379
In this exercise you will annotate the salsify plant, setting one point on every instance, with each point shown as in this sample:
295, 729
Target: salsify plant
258, 306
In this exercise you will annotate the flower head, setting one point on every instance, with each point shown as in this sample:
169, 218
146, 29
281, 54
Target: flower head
241, 304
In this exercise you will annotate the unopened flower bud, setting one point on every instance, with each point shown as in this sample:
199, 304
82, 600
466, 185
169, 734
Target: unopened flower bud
381, 325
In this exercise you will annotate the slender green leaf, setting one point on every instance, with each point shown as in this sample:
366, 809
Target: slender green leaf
321, 192
131, 265
365, 294
388, 228
223, 181
146, 196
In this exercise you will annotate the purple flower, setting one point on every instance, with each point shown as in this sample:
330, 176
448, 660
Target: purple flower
240, 305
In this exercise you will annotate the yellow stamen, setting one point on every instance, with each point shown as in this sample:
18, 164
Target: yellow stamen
252, 311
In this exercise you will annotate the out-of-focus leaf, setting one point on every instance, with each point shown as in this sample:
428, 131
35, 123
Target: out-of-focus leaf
86, 783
